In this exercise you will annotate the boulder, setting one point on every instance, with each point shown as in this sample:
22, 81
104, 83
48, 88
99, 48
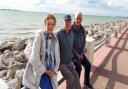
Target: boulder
19, 76
3, 73
2, 66
6, 46
7, 54
16, 52
21, 58
19, 45
13, 84
11, 72
9, 61
17, 66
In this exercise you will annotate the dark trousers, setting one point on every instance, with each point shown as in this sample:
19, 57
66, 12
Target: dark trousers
87, 67
70, 75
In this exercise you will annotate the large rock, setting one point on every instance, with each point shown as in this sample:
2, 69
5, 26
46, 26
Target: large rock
19, 76
16, 52
21, 58
13, 84
2, 66
7, 54
6, 46
9, 61
19, 45
13, 68
19, 73
0, 53
3, 73
17, 65
10, 74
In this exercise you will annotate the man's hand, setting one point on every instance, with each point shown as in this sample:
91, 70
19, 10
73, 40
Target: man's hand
79, 56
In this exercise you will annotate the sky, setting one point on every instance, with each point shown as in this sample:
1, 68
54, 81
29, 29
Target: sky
88, 7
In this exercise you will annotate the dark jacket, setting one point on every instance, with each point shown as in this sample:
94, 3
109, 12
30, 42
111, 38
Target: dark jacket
79, 39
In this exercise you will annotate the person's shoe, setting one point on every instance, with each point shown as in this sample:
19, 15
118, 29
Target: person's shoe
88, 86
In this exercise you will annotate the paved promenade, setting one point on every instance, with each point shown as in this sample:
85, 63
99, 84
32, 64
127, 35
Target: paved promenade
110, 65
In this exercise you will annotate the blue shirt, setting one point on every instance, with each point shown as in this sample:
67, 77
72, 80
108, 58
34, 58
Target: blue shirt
66, 46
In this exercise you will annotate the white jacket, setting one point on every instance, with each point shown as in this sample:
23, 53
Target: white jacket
35, 67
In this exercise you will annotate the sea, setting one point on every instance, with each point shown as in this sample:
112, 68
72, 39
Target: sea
21, 24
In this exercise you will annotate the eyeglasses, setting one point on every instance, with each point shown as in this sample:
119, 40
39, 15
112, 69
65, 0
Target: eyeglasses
78, 18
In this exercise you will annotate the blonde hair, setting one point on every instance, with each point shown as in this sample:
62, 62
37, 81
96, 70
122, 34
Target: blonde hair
50, 16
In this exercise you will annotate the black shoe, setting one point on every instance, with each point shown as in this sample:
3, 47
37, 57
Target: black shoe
88, 86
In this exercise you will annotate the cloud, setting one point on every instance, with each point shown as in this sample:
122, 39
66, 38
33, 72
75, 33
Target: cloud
93, 7
18, 4
66, 6
119, 5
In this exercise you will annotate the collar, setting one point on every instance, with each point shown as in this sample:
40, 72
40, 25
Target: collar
65, 31
75, 28
48, 35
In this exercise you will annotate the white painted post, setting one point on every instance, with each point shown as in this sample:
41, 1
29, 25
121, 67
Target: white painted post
109, 34
117, 30
90, 44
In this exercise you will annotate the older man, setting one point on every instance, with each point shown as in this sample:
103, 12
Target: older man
79, 46
65, 38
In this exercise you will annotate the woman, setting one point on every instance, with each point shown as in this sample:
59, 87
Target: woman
41, 70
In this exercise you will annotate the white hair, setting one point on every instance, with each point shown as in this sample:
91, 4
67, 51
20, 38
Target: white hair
78, 13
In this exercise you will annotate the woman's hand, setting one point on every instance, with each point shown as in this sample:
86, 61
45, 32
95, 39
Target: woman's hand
50, 73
